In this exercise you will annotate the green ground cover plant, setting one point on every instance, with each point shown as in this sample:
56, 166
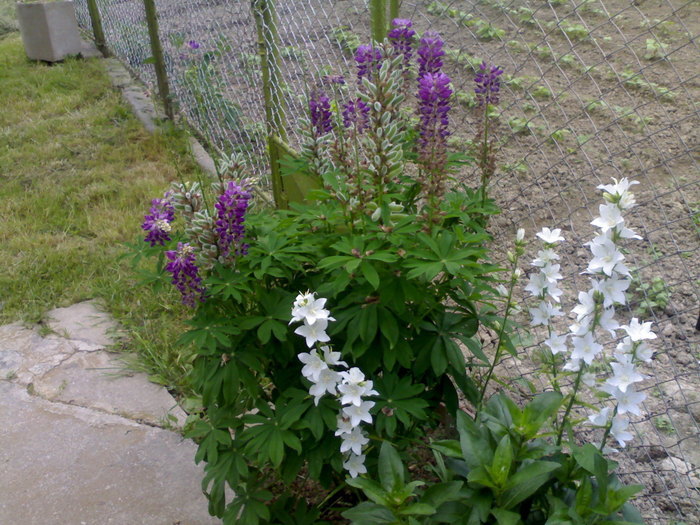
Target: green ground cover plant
75, 166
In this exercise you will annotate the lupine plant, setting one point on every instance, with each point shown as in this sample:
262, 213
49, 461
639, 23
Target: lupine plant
302, 409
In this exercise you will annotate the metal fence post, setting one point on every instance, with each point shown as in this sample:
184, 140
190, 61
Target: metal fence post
268, 48
158, 61
97, 31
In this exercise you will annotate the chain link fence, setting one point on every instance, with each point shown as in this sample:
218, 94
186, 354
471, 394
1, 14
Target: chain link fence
593, 89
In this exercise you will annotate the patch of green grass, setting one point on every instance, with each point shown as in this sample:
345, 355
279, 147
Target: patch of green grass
77, 173
8, 21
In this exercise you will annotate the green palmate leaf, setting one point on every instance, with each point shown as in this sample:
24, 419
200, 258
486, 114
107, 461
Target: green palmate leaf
388, 326
370, 274
438, 356
390, 467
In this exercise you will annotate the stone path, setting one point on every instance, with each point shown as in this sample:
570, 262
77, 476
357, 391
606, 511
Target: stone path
82, 439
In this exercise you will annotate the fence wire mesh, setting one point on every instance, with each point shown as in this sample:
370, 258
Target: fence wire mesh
594, 89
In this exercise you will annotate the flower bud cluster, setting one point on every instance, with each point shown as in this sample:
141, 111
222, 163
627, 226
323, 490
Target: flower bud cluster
231, 208
401, 38
185, 274
156, 223
329, 375
382, 141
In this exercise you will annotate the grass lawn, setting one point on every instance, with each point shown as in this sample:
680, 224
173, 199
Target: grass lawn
77, 173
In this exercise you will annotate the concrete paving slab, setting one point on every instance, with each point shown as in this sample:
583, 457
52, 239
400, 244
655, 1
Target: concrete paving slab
98, 380
63, 464
83, 322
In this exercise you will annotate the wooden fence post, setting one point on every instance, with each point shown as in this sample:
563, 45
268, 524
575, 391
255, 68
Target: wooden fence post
377, 13
393, 9
268, 49
97, 31
158, 60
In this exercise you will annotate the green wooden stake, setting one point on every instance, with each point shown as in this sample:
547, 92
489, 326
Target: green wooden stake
157, 53
377, 13
268, 49
97, 31
393, 9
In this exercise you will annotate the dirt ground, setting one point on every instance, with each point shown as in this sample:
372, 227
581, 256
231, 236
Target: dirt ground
594, 89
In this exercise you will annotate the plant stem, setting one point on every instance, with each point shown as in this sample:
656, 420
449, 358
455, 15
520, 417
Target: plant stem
501, 331
577, 383
607, 430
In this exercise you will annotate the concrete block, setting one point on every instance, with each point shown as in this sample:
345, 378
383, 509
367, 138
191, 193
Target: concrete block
49, 30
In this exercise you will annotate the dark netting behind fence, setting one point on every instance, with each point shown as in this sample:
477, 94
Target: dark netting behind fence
593, 89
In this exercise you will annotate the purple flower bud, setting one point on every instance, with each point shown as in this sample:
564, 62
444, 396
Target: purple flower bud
193, 44
157, 222
185, 274
231, 209
488, 85
320, 109
434, 94
401, 38
367, 58
356, 112
333, 79
429, 53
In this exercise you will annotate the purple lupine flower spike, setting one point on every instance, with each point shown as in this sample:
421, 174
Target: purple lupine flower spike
185, 274
231, 209
367, 58
320, 109
356, 113
488, 85
434, 94
429, 53
401, 38
157, 222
